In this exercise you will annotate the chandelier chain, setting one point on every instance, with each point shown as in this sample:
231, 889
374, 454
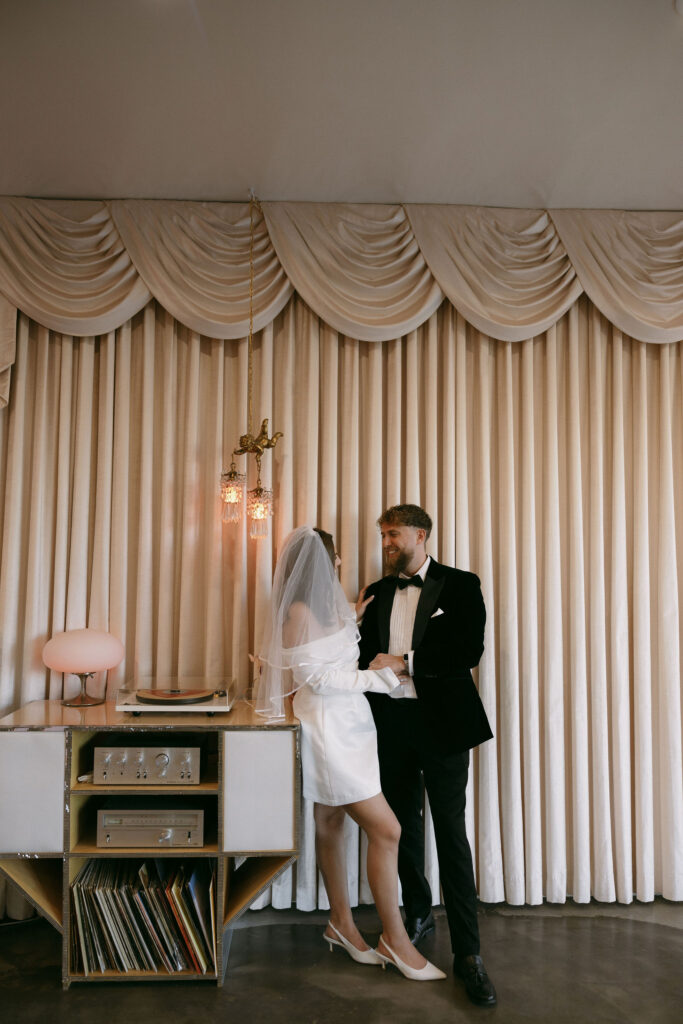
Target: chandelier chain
260, 499
250, 344
254, 205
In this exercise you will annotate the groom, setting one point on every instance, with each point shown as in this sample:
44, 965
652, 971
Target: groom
425, 621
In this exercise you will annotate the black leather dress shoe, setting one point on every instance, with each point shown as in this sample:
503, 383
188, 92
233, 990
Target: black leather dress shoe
419, 927
477, 982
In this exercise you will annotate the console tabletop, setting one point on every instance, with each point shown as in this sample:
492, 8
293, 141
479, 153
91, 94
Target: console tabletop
52, 714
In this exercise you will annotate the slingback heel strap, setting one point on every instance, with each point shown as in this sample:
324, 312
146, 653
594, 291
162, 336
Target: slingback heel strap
427, 973
361, 956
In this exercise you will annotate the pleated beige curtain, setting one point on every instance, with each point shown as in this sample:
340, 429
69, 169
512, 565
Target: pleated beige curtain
551, 467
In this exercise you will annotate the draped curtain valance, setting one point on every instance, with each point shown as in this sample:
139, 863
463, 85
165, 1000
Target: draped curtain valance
371, 272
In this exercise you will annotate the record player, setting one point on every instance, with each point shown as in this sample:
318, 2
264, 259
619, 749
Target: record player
199, 695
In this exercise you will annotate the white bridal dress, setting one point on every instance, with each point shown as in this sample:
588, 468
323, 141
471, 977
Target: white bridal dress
338, 737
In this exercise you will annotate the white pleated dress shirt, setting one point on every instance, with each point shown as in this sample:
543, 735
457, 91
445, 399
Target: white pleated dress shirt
401, 625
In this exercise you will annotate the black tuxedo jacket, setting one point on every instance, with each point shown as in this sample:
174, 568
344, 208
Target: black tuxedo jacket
448, 641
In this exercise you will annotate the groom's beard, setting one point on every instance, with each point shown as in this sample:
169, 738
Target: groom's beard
398, 563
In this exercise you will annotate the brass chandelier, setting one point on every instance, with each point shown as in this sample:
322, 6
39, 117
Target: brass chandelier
233, 483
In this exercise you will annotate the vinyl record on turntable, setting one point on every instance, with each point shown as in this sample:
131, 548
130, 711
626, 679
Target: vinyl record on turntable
173, 696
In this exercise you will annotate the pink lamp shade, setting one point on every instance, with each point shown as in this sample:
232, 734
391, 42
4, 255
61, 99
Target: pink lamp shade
83, 650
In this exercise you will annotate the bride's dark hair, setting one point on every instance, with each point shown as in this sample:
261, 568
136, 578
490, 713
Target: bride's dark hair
328, 543
323, 611
325, 614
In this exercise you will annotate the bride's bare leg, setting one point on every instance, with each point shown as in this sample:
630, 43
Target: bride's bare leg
329, 848
379, 823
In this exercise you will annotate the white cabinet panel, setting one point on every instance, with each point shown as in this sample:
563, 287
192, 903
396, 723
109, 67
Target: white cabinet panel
31, 792
259, 786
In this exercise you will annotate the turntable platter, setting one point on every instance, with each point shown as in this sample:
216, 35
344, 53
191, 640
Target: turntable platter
173, 696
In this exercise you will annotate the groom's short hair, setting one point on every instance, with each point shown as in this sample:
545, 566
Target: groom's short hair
407, 515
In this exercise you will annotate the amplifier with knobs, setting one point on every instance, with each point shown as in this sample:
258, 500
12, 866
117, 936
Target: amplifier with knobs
151, 766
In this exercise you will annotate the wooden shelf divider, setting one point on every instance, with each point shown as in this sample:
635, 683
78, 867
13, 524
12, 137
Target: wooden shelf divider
249, 881
40, 881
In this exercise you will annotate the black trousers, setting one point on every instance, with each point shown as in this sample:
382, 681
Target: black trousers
407, 756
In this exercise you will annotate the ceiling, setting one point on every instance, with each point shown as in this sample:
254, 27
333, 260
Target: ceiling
522, 103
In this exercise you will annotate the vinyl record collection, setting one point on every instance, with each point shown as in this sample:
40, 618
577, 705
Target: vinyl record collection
155, 915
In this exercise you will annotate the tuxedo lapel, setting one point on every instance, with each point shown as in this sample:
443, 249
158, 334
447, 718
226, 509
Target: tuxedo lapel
429, 595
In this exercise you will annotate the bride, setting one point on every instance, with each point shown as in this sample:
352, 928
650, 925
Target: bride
310, 649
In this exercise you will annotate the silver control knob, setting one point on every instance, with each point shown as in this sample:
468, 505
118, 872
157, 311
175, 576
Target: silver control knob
161, 760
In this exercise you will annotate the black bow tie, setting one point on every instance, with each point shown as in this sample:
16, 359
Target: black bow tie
411, 581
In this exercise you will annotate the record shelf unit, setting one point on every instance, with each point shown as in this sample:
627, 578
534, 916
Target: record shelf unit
249, 791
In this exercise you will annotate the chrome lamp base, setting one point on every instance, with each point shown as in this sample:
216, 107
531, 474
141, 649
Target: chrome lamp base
82, 700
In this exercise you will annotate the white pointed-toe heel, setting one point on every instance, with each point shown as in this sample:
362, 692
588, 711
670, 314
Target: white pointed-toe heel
427, 973
361, 956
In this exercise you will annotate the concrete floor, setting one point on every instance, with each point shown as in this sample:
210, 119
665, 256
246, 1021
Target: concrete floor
555, 965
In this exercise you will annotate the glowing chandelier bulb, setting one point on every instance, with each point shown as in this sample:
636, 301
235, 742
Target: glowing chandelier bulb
259, 510
232, 494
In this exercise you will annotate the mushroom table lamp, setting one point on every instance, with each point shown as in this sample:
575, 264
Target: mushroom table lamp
83, 652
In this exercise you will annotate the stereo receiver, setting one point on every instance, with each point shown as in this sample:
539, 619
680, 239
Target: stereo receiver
149, 827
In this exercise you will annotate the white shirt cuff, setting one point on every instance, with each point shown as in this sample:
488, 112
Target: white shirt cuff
404, 690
